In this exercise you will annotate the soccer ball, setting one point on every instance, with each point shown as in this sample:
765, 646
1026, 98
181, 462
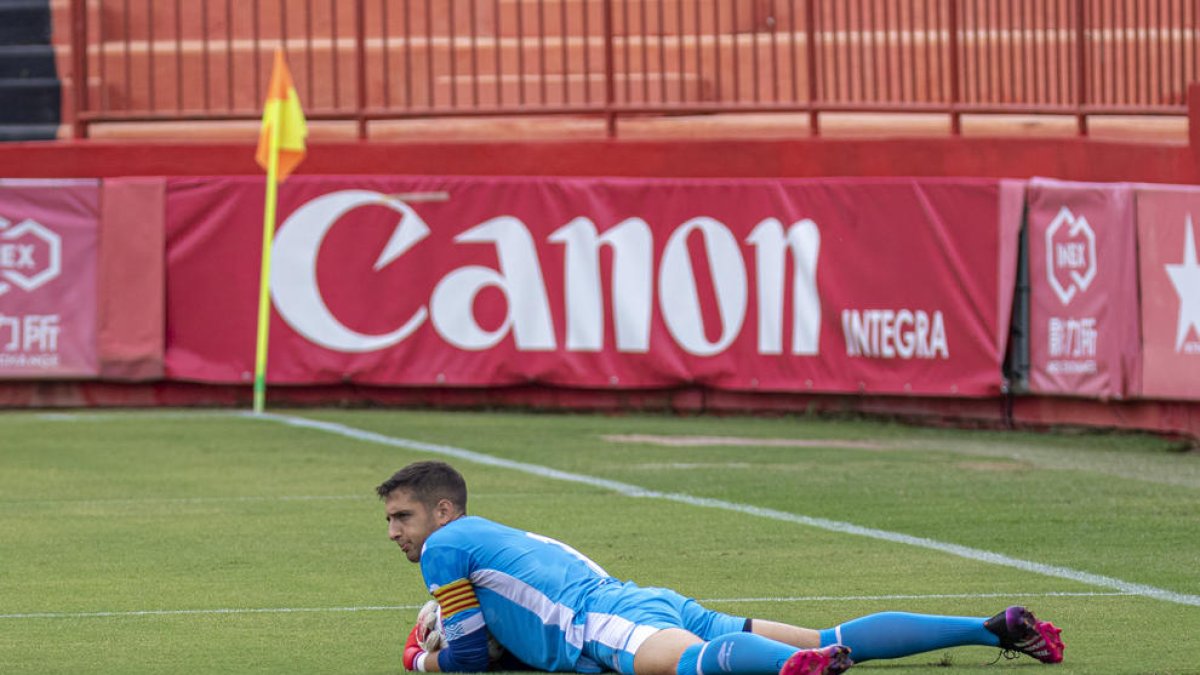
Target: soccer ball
430, 618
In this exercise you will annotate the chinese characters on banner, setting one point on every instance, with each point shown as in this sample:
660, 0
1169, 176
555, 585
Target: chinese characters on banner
1169, 271
48, 253
1083, 290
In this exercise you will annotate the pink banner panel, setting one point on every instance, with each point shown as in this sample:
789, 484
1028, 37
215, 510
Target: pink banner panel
130, 326
880, 285
1169, 271
1083, 290
48, 251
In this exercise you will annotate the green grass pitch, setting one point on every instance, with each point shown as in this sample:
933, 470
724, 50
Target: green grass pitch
136, 542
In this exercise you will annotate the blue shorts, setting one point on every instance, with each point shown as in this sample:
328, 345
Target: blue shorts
621, 616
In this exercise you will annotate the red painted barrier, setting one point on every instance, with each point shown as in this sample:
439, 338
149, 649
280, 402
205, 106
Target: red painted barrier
361, 60
1066, 159
1069, 159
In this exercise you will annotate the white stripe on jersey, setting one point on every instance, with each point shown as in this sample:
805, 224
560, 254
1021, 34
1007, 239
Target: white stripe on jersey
640, 634
609, 630
465, 627
582, 558
530, 598
616, 632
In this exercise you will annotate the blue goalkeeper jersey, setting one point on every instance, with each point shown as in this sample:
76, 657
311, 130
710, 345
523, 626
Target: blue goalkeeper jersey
532, 593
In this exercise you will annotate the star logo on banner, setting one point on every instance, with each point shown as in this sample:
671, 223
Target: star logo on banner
1186, 278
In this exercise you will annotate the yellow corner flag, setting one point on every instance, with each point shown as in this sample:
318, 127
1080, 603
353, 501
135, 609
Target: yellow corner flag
282, 115
280, 149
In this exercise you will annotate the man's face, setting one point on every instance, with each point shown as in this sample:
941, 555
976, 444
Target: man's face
410, 522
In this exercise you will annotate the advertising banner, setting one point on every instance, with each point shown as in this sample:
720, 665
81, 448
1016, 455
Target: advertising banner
48, 251
1169, 272
878, 286
1083, 290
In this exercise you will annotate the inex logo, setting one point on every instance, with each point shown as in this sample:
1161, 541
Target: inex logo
1070, 255
30, 255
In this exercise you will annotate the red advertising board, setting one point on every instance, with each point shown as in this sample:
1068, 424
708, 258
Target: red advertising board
1169, 274
880, 285
48, 251
1083, 290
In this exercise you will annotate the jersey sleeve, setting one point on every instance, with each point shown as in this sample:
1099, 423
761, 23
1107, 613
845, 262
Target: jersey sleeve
446, 570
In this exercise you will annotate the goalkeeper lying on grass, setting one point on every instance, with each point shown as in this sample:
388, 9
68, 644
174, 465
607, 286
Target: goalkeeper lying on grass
553, 609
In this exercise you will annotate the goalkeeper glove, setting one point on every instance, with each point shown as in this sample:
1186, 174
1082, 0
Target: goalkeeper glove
412, 647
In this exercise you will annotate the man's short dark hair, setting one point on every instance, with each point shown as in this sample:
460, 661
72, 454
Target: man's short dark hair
428, 483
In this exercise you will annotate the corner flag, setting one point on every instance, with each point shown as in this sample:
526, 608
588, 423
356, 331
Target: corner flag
282, 114
280, 149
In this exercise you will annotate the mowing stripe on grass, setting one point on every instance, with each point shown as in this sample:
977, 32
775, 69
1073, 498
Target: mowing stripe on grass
820, 523
184, 500
390, 608
111, 416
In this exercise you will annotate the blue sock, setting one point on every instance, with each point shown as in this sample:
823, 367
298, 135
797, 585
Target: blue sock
738, 653
890, 635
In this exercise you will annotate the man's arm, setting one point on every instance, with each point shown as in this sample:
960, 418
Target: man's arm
446, 566
464, 632
465, 654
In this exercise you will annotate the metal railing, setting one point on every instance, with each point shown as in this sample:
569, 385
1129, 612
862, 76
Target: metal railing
365, 60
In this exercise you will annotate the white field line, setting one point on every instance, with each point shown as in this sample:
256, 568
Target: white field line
926, 596
188, 612
396, 608
840, 527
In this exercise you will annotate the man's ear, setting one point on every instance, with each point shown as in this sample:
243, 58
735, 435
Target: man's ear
444, 511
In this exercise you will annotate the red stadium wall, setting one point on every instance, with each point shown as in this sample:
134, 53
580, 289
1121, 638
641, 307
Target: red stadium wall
1174, 418
1072, 159
1069, 159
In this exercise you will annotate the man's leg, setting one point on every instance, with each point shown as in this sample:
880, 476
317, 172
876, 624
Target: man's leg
890, 635
661, 632
804, 638
886, 635
659, 654
675, 651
